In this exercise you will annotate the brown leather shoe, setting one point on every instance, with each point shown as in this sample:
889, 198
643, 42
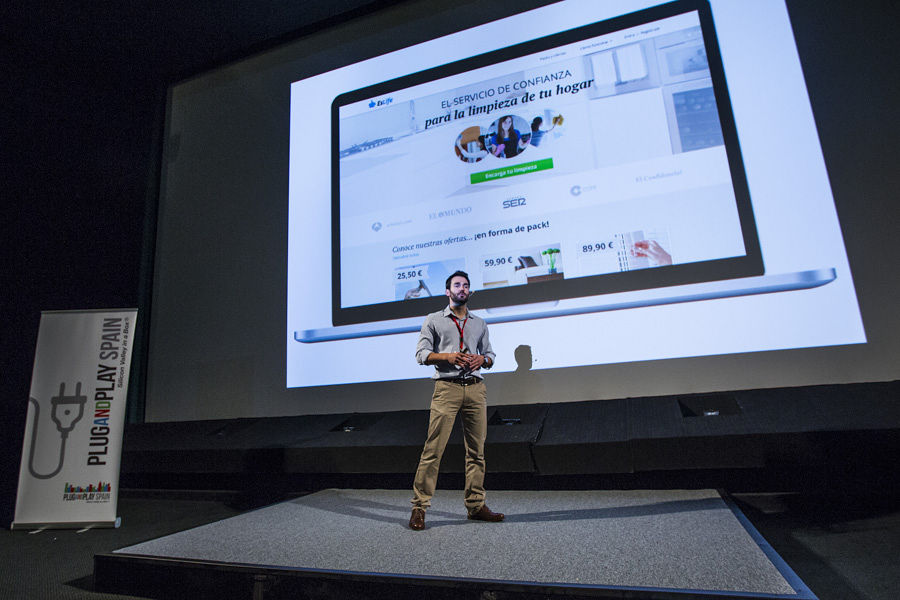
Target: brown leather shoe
417, 519
485, 514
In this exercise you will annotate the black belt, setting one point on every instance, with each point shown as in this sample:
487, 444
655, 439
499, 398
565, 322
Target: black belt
464, 380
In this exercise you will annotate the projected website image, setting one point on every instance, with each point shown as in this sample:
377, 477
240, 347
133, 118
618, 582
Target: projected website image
522, 265
423, 280
617, 252
435, 157
507, 137
617, 135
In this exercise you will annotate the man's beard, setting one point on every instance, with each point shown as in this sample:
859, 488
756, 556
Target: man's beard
462, 300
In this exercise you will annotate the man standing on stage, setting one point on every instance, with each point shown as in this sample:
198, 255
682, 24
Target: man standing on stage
456, 343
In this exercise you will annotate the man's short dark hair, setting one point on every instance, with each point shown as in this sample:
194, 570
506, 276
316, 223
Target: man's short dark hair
458, 274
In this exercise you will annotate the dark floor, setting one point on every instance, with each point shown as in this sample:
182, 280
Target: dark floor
842, 548
59, 563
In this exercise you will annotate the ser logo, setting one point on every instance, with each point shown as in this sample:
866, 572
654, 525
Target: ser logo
513, 202
383, 102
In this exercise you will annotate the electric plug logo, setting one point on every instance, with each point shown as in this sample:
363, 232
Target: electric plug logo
65, 412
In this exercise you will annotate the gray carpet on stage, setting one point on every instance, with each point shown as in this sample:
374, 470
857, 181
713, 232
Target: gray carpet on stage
674, 539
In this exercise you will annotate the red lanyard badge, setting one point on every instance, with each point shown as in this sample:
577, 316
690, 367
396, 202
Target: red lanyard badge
461, 329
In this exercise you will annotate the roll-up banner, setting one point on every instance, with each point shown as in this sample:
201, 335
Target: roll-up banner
69, 476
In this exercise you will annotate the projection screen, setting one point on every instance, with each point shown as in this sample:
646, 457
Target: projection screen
636, 190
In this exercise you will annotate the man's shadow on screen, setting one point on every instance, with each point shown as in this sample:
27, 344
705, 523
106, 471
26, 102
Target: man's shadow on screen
521, 384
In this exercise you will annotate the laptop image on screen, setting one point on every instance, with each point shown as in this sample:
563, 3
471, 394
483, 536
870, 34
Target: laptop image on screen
590, 170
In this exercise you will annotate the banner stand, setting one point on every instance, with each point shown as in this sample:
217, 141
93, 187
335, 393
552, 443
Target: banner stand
69, 525
72, 448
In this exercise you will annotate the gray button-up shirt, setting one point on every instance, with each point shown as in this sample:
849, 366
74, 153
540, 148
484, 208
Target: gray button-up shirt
440, 334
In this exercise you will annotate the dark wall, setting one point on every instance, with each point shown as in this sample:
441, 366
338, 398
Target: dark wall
850, 53
83, 90
83, 98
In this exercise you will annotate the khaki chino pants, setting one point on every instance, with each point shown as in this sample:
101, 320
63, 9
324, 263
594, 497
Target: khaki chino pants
449, 399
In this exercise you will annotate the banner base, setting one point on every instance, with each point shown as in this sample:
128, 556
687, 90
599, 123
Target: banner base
69, 525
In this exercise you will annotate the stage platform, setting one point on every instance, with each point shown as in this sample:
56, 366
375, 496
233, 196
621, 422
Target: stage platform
567, 544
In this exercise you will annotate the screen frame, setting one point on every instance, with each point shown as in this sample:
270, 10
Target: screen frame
751, 264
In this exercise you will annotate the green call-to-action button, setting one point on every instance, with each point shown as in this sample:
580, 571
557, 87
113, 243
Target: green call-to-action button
522, 169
